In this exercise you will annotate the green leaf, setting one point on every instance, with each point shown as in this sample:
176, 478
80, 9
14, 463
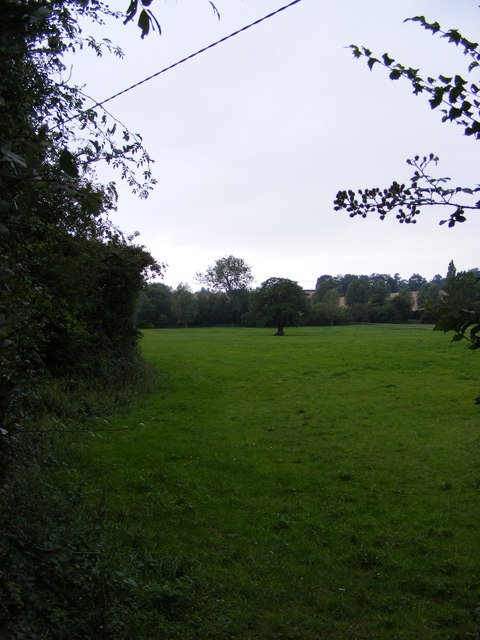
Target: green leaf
355, 51
434, 26
68, 164
131, 11
144, 22
454, 113
455, 93
437, 97
93, 202
395, 74
453, 36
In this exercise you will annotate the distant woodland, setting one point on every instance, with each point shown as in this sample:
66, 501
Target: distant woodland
336, 300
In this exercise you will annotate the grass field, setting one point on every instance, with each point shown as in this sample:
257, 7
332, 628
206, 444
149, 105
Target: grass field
323, 485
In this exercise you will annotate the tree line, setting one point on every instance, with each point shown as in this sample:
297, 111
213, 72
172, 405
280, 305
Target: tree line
226, 298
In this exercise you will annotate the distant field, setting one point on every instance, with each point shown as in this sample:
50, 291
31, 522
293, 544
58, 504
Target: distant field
323, 485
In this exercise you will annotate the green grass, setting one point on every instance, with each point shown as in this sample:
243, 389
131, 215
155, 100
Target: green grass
324, 485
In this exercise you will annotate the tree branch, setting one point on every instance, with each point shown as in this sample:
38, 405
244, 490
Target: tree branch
408, 201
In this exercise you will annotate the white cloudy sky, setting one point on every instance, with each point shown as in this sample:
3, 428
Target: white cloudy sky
253, 139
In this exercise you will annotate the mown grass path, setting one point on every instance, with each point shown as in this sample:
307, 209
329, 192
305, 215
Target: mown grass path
323, 485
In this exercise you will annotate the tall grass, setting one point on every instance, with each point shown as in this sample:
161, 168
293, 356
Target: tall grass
324, 485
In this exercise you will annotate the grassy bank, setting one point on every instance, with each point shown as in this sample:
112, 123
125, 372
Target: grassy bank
322, 485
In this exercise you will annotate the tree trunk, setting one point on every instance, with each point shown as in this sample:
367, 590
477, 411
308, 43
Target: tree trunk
280, 331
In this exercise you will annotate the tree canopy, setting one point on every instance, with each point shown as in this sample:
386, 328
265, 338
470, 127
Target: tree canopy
227, 274
279, 302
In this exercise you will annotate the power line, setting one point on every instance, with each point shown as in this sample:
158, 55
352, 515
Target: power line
193, 55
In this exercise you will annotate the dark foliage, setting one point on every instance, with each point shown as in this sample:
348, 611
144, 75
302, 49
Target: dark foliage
279, 302
161, 306
408, 201
69, 282
460, 309
146, 20
64, 573
68, 279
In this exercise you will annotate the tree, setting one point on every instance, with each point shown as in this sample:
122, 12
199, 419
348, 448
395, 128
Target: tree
324, 284
52, 206
462, 291
155, 305
212, 308
416, 281
451, 273
396, 283
345, 281
459, 309
184, 304
358, 291
459, 102
380, 291
229, 274
279, 302
402, 305
428, 301
327, 311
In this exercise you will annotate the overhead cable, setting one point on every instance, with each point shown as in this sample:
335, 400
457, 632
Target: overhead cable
193, 55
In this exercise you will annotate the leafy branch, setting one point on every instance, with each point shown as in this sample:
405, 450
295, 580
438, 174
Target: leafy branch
146, 18
457, 98
424, 190
465, 324
459, 101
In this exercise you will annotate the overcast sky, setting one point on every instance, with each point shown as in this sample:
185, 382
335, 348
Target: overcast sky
253, 139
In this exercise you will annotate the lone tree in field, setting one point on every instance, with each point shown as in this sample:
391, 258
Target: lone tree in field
279, 302
228, 274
